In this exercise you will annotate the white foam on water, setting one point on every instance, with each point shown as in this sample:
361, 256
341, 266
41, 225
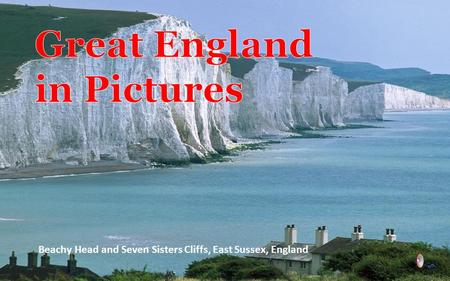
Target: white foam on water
117, 237
10, 219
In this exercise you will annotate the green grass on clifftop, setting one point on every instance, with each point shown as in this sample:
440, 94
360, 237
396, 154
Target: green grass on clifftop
20, 25
353, 85
241, 66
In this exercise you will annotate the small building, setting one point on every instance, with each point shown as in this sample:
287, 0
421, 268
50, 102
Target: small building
342, 244
46, 271
290, 256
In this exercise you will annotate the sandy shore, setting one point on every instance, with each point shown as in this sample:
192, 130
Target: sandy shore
56, 169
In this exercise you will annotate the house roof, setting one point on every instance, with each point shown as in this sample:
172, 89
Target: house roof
338, 244
342, 244
8, 272
293, 252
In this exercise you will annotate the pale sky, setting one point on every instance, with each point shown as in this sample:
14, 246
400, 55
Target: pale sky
389, 33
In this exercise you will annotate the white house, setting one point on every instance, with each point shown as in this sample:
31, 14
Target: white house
291, 256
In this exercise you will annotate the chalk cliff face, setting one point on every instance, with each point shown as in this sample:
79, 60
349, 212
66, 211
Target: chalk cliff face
273, 104
318, 101
370, 102
398, 98
265, 109
79, 131
365, 103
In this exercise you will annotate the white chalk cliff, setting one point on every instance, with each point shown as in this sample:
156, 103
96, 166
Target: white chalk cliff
80, 132
318, 101
398, 98
265, 108
274, 103
371, 101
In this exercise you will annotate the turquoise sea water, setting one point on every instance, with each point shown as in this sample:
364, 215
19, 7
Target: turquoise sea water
397, 176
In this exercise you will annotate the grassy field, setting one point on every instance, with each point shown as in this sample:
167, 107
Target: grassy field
19, 26
353, 85
241, 66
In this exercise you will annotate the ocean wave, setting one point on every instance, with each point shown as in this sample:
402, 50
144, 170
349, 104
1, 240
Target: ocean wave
117, 237
58, 176
20, 179
132, 241
10, 219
